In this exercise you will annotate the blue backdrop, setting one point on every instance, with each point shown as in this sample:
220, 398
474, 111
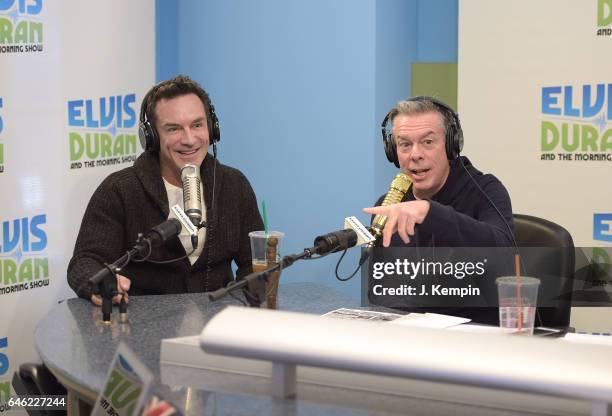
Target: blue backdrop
300, 88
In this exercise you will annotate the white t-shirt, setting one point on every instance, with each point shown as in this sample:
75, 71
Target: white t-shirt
175, 196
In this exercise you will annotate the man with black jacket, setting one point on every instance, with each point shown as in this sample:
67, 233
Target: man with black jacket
177, 124
450, 202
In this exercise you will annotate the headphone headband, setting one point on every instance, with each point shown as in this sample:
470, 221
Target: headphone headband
453, 141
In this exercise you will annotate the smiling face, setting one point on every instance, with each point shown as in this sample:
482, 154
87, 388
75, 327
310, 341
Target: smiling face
421, 151
183, 134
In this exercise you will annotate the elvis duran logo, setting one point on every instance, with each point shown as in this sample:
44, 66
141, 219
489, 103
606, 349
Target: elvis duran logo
604, 17
575, 123
1, 137
23, 263
600, 256
21, 28
602, 227
5, 384
102, 131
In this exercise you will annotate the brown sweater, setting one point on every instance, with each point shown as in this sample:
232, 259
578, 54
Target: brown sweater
134, 200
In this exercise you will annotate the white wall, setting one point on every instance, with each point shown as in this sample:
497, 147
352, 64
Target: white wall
510, 53
86, 51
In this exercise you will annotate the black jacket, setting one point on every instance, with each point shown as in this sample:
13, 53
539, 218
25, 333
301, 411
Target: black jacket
134, 200
460, 215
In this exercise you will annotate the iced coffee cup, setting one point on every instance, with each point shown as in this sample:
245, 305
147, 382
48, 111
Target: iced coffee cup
265, 251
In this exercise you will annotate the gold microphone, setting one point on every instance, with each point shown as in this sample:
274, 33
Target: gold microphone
397, 190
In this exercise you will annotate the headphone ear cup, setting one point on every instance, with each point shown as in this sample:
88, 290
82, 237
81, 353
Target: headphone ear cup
215, 134
388, 142
391, 150
148, 137
454, 142
459, 141
214, 131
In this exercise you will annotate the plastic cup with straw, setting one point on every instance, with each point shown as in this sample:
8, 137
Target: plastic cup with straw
265, 215
519, 297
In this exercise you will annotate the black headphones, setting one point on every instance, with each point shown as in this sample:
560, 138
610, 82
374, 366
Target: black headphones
149, 138
454, 134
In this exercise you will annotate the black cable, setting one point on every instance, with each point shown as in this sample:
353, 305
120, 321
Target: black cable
517, 251
171, 260
344, 279
128, 257
516, 248
214, 172
149, 252
361, 261
212, 212
496, 210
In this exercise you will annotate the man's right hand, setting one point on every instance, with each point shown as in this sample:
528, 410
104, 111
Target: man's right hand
123, 285
401, 218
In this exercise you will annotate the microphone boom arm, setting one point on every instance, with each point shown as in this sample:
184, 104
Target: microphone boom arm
323, 245
262, 275
104, 282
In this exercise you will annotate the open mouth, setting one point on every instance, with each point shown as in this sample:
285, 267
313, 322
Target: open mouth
418, 173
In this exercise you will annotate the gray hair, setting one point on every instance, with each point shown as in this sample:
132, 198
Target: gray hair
419, 106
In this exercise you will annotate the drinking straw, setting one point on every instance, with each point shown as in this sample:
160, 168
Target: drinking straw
265, 215
517, 270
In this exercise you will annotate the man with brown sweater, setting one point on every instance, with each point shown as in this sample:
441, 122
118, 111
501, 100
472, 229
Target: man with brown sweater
177, 124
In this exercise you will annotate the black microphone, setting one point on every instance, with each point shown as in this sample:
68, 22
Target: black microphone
164, 231
156, 237
337, 240
323, 244
192, 197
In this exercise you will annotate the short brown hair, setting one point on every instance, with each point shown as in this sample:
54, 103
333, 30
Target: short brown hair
172, 88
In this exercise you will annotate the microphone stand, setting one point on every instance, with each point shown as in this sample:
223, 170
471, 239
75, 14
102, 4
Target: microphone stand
104, 282
260, 278
194, 237
324, 244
